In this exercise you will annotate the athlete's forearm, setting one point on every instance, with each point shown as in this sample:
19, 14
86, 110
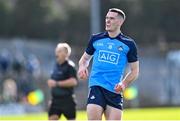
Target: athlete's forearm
71, 82
84, 61
132, 75
129, 78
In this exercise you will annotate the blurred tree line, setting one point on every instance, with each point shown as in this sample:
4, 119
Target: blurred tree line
43, 19
148, 21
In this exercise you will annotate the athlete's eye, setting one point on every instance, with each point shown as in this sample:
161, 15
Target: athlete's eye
110, 18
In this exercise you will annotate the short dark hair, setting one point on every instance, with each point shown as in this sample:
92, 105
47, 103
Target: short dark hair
120, 12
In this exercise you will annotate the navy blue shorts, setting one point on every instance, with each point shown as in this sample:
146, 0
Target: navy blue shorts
102, 97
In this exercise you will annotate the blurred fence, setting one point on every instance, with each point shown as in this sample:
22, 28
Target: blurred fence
158, 84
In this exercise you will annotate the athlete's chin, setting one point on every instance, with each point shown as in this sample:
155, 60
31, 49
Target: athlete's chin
108, 29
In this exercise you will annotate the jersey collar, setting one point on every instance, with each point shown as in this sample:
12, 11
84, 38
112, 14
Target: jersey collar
62, 63
120, 34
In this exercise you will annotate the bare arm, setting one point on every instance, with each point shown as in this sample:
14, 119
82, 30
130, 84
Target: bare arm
130, 77
83, 64
84, 61
133, 74
71, 82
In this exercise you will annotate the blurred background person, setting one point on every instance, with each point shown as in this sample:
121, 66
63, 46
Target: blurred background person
33, 66
62, 81
9, 91
5, 62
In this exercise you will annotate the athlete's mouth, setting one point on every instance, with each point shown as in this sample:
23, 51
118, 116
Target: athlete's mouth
108, 25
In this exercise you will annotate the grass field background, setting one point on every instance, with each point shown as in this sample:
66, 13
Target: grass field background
129, 114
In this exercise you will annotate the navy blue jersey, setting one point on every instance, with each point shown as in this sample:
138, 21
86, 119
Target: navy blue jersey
110, 57
61, 73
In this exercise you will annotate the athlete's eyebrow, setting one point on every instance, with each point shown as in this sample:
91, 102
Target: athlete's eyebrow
110, 17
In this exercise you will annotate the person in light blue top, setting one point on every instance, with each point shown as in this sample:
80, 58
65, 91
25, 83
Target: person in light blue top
111, 51
110, 59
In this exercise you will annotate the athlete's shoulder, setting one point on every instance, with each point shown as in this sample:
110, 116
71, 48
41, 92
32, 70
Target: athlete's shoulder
71, 68
99, 35
71, 63
128, 41
127, 38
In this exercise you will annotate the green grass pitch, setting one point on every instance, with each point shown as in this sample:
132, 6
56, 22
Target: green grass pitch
172, 113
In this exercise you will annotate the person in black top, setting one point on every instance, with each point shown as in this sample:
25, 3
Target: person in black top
62, 81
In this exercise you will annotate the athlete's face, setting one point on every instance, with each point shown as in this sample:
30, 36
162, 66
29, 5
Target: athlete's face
113, 21
61, 55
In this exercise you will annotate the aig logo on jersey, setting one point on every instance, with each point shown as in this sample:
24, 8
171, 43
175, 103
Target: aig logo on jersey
109, 57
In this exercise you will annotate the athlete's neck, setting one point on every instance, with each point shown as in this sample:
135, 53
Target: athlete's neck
62, 61
114, 34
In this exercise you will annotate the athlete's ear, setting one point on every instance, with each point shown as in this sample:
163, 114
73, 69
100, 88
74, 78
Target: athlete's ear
120, 21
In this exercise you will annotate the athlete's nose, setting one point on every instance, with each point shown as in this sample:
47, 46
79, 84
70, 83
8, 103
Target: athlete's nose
108, 21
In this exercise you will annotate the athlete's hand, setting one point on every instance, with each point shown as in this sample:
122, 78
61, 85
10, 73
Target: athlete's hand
120, 87
83, 73
51, 83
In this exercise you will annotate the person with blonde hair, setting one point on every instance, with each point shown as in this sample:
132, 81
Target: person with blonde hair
10, 90
62, 81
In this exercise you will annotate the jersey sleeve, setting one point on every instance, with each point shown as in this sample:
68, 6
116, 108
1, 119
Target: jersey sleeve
90, 49
53, 75
132, 54
72, 72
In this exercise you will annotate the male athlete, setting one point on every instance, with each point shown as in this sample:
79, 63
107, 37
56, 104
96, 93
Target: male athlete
111, 51
62, 81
